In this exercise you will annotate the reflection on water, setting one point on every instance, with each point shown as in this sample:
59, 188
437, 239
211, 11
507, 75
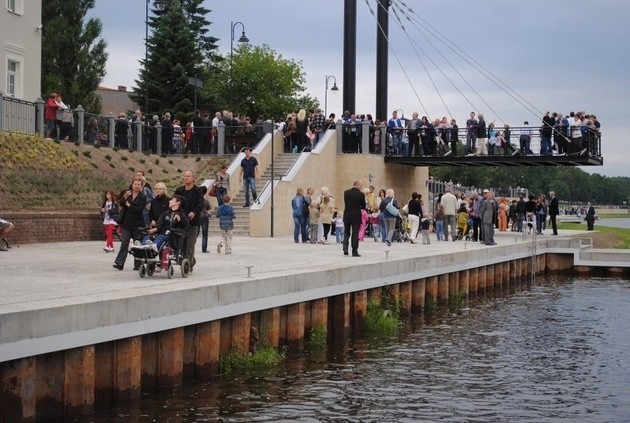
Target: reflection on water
556, 351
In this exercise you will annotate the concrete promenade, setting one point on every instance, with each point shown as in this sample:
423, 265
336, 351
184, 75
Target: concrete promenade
63, 295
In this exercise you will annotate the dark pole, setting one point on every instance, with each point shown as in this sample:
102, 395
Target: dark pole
382, 34
146, 59
349, 55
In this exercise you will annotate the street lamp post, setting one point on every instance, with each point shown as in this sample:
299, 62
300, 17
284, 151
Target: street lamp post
334, 88
160, 5
242, 39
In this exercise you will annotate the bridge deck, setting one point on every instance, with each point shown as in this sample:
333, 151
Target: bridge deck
507, 161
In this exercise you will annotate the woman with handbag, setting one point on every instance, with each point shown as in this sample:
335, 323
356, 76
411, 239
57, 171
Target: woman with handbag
389, 209
222, 184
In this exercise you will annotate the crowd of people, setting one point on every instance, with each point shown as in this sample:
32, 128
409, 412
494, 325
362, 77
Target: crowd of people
382, 217
574, 133
199, 135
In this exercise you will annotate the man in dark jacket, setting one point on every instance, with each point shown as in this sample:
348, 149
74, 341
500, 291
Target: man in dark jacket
354, 202
192, 208
132, 203
553, 212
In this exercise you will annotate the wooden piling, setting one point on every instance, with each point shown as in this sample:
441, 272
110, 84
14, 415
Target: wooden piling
418, 289
295, 326
78, 386
171, 357
17, 390
359, 310
405, 298
270, 326
443, 288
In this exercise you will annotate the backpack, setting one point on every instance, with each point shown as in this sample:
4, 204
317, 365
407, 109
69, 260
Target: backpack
305, 207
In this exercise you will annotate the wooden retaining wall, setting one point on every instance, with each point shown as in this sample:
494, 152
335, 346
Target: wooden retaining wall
72, 382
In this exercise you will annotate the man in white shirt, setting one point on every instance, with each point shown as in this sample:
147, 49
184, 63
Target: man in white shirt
450, 203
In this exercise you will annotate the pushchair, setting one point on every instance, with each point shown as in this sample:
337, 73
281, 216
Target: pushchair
463, 226
172, 252
402, 232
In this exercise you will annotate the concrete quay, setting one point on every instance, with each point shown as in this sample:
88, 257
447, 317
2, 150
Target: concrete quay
64, 295
74, 332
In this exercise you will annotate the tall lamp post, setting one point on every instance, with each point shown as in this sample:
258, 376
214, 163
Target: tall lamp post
159, 5
334, 88
242, 39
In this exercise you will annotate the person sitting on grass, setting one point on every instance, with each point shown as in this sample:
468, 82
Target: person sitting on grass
5, 229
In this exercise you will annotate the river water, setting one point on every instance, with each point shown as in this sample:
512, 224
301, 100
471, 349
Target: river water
557, 350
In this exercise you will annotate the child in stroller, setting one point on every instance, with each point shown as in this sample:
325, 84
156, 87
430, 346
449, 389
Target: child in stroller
462, 223
168, 244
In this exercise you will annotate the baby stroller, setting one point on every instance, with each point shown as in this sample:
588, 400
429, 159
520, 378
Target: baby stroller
463, 227
402, 233
173, 252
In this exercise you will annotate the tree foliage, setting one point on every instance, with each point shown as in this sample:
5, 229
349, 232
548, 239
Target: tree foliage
569, 183
259, 81
73, 54
176, 50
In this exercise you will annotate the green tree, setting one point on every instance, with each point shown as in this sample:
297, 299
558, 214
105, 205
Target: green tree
174, 56
198, 24
259, 81
73, 54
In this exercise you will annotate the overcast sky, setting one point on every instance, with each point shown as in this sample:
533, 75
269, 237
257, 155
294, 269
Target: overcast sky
559, 56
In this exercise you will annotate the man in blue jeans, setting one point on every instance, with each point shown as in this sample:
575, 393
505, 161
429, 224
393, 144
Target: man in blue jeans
249, 174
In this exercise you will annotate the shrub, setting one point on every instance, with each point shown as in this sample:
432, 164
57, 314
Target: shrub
317, 338
108, 157
262, 360
380, 321
87, 154
124, 158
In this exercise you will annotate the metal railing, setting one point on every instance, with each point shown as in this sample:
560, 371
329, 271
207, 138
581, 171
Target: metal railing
18, 115
524, 141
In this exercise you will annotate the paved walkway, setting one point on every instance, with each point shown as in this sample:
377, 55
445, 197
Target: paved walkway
38, 276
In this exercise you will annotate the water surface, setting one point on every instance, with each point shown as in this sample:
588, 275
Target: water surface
556, 351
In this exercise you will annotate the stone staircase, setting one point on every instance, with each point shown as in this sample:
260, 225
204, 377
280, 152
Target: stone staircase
282, 163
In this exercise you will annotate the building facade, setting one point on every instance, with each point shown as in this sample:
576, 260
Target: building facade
21, 48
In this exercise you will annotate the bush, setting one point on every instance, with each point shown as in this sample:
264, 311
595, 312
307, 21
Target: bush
108, 157
87, 154
380, 321
317, 338
262, 360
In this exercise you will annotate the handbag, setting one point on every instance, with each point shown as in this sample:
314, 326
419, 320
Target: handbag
212, 192
391, 209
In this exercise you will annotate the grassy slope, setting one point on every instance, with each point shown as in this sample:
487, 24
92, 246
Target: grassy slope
603, 237
39, 174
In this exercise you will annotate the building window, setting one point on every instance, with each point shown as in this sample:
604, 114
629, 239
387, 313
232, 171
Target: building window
15, 6
12, 77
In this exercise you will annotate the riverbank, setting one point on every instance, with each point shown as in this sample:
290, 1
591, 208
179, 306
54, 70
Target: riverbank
103, 335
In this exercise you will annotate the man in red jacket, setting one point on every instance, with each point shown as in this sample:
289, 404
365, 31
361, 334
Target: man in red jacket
50, 115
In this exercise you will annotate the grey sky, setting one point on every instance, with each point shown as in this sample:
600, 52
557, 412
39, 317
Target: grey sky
559, 56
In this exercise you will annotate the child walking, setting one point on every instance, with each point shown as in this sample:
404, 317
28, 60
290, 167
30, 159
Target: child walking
425, 225
226, 216
338, 222
110, 214
313, 218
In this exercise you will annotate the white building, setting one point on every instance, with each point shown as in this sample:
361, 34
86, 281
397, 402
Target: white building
21, 48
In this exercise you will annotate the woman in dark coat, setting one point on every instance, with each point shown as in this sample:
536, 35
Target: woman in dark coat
131, 221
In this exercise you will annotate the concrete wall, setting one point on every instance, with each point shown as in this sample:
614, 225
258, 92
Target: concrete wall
36, 227
323, 167
20, 33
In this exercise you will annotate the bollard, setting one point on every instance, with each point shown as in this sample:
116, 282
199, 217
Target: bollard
80, 124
